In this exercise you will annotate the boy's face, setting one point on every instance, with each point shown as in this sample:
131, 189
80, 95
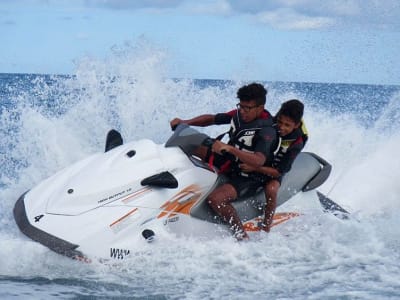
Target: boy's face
286, 125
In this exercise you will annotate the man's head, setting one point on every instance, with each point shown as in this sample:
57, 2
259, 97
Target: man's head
252, 99
289, 116
253, 91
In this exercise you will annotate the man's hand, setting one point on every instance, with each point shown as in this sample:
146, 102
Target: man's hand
175, 122
219, 147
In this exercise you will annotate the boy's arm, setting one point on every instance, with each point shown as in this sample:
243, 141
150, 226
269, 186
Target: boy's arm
287, 160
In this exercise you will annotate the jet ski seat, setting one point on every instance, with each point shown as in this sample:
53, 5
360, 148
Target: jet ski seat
308, 171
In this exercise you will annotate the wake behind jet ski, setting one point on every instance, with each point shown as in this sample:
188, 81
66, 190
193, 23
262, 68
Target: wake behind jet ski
106, 205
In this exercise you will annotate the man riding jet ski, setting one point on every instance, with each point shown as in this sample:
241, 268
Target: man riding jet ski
252, 141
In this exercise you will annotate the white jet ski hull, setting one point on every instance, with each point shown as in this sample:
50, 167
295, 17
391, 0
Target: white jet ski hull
105, 205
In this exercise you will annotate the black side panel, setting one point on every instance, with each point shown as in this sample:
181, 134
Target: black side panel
163, 179
114, 139
57, 245
332, 207
322, 175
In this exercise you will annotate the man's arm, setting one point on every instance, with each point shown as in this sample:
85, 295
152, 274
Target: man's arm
202, 120
253, 158
266, 139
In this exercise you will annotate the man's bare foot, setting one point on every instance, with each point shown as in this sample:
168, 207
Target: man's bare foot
241, 235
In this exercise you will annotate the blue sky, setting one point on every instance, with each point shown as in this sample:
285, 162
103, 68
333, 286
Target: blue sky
350, 41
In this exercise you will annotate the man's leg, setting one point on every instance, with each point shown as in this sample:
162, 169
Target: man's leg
220, 201
271, 192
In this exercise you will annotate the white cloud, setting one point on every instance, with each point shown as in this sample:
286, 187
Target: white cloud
371, 14
344, 8
219, 7
290, 20
304, 14
134, 4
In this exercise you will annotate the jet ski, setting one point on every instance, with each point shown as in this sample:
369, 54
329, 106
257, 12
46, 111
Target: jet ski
107, 205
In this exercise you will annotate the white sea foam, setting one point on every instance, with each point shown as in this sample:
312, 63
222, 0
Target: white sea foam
315, 256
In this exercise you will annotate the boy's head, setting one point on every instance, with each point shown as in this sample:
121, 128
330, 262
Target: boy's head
289, 116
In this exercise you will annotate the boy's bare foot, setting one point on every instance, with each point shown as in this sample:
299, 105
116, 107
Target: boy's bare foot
264, 227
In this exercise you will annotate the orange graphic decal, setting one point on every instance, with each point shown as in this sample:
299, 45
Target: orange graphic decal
124, 216
279, 218
182, 202
128, 198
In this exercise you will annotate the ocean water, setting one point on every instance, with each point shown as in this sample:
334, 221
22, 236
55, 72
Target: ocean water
48, 122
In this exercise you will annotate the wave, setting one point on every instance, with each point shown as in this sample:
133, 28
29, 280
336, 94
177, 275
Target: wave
50, 122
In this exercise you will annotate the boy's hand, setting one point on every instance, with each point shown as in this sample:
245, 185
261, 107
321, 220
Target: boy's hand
247, 168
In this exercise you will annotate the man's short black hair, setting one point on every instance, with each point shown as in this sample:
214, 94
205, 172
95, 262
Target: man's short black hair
253, 91
292, 109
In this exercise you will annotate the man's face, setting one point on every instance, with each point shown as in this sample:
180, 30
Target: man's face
286, 125
249, 110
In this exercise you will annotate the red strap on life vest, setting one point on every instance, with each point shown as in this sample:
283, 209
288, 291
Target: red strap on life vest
224, 167
211, 161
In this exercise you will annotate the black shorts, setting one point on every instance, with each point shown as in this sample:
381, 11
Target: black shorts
244, 186
269, 178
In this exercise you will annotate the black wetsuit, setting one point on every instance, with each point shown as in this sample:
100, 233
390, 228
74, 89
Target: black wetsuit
289, 147
255, 136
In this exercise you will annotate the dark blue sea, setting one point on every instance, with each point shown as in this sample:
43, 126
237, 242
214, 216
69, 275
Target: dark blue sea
47, 122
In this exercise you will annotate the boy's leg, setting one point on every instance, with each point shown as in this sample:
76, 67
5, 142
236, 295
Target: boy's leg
271, 192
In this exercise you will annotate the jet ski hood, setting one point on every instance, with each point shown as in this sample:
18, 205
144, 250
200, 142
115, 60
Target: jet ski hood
105, 177
109, 176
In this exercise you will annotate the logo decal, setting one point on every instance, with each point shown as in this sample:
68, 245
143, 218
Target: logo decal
250, 132
37, 218
118, 253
